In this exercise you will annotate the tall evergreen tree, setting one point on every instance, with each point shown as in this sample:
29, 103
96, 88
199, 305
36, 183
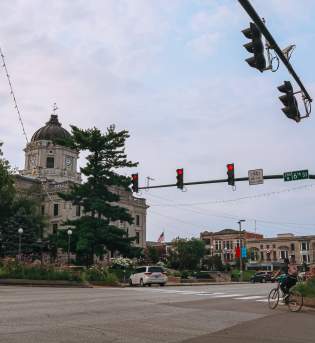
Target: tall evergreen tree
96, 229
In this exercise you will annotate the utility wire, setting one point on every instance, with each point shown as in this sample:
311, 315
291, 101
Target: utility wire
223, 201
13, 95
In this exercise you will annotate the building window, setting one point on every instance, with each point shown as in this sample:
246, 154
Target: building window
55, 227
305, 246
56, 210
284, 254
306, 258
207, 241
78, 211
137, 220
268, 256
137, 237
267, 246
218, 245
262, 255
43, 210
273, 246
261, 246
292, 246
50, 162
275, 256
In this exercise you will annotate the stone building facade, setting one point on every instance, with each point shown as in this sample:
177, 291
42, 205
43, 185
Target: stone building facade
225, 242
271, 252
50, 168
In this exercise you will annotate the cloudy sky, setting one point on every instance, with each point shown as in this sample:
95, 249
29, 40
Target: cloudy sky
173, 74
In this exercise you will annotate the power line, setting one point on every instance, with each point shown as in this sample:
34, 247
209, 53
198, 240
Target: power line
233, 217
255, 196
13, 95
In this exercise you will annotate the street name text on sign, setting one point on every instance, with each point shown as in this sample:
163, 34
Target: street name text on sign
296, 175
255, 177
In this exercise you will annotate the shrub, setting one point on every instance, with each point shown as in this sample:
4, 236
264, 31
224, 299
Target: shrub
16, 270
101, 274
307, 288
184, 274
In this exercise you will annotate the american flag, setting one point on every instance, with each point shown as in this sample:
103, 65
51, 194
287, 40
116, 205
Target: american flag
161, 238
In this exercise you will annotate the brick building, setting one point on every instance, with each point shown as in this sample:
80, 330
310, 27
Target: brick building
225, 242
270, 252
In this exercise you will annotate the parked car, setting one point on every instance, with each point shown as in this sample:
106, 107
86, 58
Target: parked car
262, 277
148, 275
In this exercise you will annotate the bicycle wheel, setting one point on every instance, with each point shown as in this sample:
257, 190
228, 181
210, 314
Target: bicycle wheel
295, 301
273, 298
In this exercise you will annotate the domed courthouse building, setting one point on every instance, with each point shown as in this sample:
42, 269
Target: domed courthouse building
51, 168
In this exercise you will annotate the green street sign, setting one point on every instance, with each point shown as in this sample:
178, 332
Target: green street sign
295, 175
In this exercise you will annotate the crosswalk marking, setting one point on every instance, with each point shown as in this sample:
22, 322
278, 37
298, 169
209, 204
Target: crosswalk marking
252, 297
209, 295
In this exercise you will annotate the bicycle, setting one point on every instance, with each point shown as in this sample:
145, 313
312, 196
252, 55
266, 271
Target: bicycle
294, 299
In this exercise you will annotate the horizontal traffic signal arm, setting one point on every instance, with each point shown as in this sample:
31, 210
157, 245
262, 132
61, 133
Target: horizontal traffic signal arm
273, 44
266, 177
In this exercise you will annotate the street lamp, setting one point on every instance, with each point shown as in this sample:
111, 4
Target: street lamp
69, 232
241, 260
20, 232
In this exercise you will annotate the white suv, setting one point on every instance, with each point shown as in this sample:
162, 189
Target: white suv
147, 276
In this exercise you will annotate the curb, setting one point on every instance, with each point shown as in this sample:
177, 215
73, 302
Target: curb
43, 283
198, 284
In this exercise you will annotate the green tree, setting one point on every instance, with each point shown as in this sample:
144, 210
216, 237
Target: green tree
153, 254
187, 253
7, 191
16, 212
96, 231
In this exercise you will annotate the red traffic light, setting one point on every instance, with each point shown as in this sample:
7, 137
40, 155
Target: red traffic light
134, 177
230, 167
180, 171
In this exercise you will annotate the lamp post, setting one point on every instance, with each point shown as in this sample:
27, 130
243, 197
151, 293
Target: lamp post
20, 232
69, 232
241, 260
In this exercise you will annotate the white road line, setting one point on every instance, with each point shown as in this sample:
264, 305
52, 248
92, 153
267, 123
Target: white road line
252, 297
227, 295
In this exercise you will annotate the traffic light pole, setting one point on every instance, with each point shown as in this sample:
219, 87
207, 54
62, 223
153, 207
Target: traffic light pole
266, 177
273, 44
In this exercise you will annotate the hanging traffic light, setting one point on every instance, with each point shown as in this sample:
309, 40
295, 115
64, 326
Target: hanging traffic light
135, 182
180, 178
291, 109
230, 174
255, 47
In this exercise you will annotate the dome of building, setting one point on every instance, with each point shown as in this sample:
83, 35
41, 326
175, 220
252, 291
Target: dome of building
52, 130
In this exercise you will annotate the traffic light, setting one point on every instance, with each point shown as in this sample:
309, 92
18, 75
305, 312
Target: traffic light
180, 178
291, 109
230, 174
135, 182
255, 47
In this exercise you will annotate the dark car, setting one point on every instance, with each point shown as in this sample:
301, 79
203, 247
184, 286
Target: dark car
262, 277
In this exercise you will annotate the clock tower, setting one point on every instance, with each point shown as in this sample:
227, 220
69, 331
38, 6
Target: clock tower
46, 160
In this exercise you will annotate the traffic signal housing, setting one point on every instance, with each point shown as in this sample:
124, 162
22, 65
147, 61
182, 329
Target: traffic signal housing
291, 109
255, 47
180, 178
230, 174
135, 182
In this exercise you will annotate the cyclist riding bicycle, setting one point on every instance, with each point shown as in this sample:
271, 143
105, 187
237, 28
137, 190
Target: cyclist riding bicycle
289, 280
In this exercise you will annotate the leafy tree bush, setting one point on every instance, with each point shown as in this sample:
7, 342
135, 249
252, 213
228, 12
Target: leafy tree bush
186, 254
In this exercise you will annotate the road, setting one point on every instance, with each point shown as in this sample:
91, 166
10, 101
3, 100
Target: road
229, 313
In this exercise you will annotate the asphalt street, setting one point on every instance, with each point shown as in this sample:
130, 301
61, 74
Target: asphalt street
229, 313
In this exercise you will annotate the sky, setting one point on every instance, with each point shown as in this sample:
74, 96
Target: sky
173, 74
